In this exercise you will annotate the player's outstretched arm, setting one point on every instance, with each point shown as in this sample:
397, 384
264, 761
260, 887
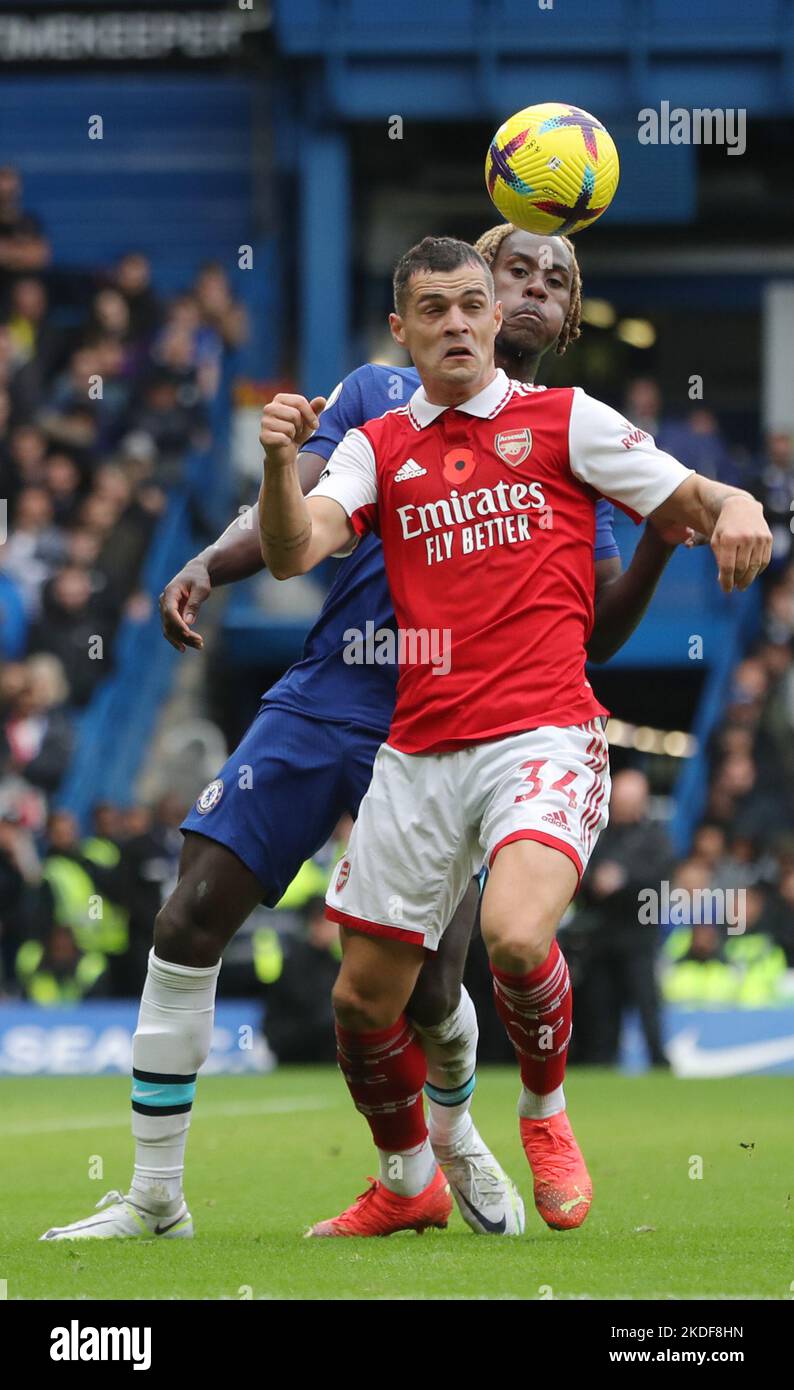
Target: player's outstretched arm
235, 555
295, 533
730, 518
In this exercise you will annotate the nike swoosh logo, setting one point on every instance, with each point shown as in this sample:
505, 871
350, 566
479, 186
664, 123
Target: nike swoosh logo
689, 1059
144, 1095
495, 1228
161, 1230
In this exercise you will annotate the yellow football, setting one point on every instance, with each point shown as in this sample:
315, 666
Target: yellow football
552, 169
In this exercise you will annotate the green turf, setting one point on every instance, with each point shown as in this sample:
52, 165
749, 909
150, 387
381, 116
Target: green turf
266, 1156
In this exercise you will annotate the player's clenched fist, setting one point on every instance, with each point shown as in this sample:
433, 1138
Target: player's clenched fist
741, 541
287, 422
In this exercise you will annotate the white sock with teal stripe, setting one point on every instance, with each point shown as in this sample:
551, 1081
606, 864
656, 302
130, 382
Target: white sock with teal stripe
451, 1051
171, 1042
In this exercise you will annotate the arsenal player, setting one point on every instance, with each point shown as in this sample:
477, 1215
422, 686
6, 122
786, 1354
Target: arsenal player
483, 492
246, 842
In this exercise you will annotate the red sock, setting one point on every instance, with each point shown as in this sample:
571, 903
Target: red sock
536, 1010
385, 1074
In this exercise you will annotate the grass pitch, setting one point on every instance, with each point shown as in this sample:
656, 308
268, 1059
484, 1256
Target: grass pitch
267, 1156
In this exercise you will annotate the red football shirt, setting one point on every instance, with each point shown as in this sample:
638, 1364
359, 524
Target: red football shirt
486, 512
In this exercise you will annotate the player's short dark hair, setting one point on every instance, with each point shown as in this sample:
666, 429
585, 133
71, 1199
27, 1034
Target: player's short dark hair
436, 253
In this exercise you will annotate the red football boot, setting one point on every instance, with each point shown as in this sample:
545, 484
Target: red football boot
563, 1190
379, 1212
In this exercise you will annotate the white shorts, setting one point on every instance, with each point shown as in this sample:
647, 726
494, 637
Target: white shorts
429, 822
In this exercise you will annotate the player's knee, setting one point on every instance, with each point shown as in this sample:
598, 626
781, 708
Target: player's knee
179, 938
433, 1000
362, 1010
517, 948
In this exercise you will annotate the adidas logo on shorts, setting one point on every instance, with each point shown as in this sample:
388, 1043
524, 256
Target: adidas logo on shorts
557, 818
410, 469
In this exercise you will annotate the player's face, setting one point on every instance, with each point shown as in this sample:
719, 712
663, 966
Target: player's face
533, 277
449, 326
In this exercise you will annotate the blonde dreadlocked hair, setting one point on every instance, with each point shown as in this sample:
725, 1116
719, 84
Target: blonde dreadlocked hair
488, 246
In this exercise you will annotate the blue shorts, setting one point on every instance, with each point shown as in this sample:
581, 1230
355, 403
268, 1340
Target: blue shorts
278, 797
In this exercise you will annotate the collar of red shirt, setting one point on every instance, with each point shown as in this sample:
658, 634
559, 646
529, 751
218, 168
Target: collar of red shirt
485, 404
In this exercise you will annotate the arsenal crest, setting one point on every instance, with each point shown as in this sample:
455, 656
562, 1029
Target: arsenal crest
343, 875
514, 446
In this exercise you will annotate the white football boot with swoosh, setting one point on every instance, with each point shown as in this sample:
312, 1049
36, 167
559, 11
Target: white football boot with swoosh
117, 1216
487, 1199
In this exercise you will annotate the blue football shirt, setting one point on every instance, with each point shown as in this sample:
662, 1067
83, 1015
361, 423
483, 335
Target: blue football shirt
327, 683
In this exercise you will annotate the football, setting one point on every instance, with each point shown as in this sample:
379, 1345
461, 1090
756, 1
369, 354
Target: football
552, 169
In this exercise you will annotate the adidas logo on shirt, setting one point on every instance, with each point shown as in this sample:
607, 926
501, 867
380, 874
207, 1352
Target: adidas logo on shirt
557, 818
410, 469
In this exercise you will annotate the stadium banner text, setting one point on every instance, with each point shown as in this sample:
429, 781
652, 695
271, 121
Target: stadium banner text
156, 32
95, 1039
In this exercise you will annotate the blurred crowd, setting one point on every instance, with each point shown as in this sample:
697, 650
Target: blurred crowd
77, 910
697, 439
105, 387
